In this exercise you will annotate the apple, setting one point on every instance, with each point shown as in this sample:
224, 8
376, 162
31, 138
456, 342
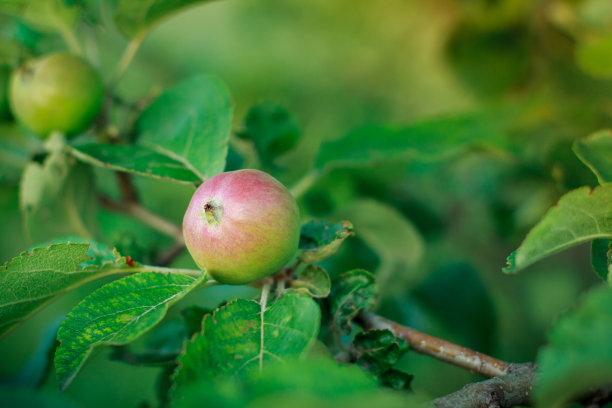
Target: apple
58, 92
241, 226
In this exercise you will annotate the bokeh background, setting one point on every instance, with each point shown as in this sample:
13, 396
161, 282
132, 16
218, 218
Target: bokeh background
441, 235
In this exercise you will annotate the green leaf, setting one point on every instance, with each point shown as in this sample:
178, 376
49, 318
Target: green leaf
136, 17
190, 123
160, 346
596, 152
427, 140
116, 314
272, 129
578, 356
313, 281
16, 146
58, 198
238, 336
394, 238
601, 258
47, 15
31, 280
320, 240
352, 292
379, 350
580, 216
594, 56
193, 316
396, 379
297, 384
134, 159
28, 397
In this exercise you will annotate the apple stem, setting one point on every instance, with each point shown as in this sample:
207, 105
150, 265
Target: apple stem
265, 291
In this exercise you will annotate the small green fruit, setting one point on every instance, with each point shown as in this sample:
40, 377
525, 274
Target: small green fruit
59, 92
241, 226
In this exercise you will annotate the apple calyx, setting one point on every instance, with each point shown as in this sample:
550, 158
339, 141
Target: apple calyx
213, 212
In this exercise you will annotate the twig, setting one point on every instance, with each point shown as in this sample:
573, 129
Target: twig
265, 290
439, 349
170, 254
511, 390
144, 215
126, 58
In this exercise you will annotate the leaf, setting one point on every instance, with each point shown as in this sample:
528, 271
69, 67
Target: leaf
320, 240
396, 379
116, 314
297, 384
231, 339
352, 292
596, 152
58, 197
313, 281
272, 129
160, 346
31, 280
379, 350
28, 397
578, 356
601, 258
456, 290
427, 140
580, 216
394, 238
15, 147
134, 159
135, 17
190, 123
47, 15
593, 56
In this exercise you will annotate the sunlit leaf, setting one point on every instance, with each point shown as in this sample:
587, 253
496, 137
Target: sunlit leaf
33, 279
427, 140
116, 314
134, 159
190, 123
580, 216
238, 337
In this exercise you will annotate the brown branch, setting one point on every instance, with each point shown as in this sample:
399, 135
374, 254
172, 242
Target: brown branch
510, 390
142, 214
440, 349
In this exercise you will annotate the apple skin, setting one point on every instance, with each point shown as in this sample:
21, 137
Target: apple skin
58, 92
241, 226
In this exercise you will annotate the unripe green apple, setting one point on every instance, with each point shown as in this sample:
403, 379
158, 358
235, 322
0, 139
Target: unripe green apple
58, 92
241, 226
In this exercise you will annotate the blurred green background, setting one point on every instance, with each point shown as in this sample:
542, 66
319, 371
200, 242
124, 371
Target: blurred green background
338, 65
